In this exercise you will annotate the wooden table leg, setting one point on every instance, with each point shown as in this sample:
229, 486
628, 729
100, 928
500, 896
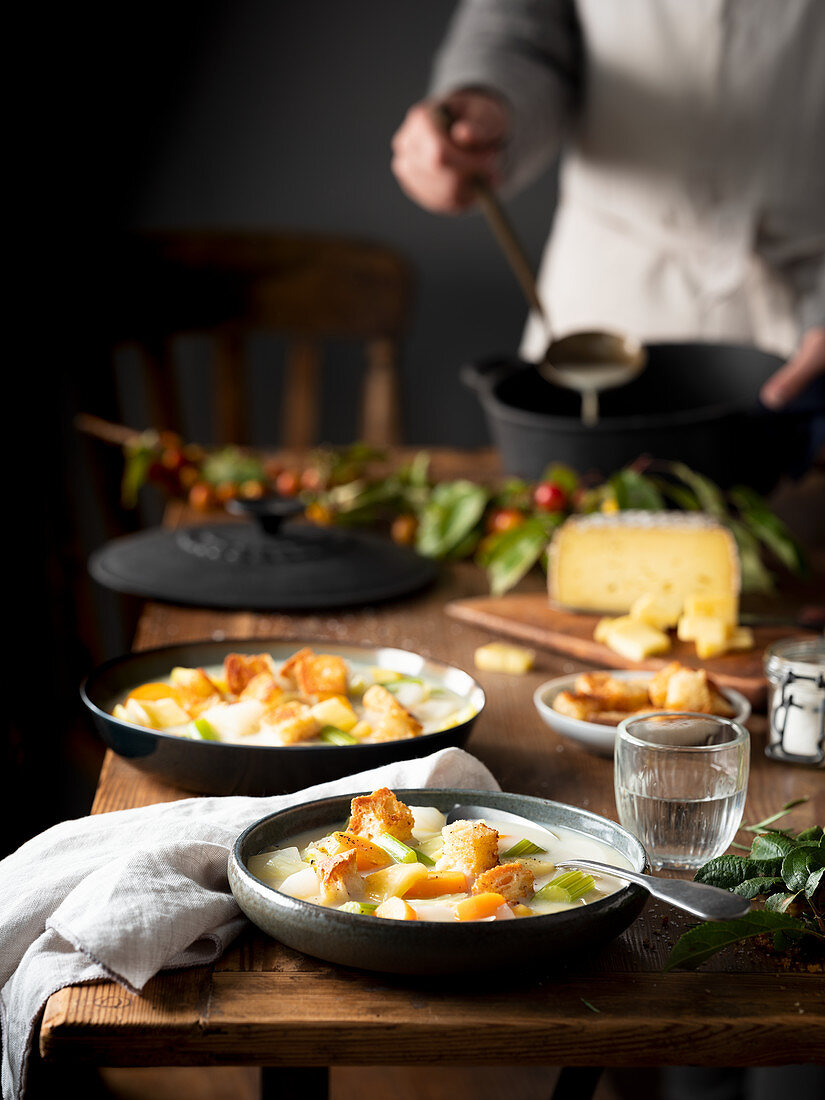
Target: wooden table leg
306, 1082
577, 1083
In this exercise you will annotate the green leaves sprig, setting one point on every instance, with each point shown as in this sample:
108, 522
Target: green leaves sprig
788, 872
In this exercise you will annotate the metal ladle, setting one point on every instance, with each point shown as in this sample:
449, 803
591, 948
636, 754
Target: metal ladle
697, 898
587, 362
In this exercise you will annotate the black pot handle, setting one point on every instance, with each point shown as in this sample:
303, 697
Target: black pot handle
486, 374
269, 512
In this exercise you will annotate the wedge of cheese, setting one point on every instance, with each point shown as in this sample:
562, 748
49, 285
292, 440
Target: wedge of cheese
607, 562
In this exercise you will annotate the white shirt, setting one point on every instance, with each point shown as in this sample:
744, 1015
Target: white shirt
692, 180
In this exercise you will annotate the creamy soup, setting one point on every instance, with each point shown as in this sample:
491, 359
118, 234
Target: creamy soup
470, 870
309, 698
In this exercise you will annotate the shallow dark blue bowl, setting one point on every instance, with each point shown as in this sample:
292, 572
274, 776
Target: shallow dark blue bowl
211, 767
433, 947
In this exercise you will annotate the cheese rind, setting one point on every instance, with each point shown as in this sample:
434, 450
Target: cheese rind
605, 563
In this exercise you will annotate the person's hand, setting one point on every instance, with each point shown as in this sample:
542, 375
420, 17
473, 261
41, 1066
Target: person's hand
436, 165
806, 364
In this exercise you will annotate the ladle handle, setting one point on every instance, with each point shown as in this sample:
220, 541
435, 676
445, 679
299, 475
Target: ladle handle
502, 228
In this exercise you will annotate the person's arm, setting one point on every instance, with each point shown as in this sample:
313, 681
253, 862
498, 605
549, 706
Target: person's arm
808, 361
806, 364
509, 71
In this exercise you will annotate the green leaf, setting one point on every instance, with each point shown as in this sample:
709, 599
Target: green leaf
779, 903
814, 882
700, 943
681, 497
752, 887
454, 508
563, 476
800, 864
786, 809
769, 529
772, 846
814, 835
515, 554
708, 495
755, 576
135, 473
231, 464
728, 872
634, 490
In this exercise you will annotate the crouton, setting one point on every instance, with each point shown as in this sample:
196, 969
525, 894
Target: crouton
469, 846
718, 703
316, 673
263, 687
512, 880
614, 694
381, 812
389, 720
240, 668
290, 723
688, 689
657, 685
578, 706
338, 878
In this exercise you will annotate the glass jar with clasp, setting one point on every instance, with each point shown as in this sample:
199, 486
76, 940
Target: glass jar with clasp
795, 669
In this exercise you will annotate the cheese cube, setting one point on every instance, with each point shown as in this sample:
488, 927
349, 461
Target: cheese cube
714, 605
708, 627
602, 627
741, 638
605, 563
657, 609
635, 640
499, 657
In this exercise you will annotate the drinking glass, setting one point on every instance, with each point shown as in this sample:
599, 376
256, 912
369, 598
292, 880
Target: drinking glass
680, 782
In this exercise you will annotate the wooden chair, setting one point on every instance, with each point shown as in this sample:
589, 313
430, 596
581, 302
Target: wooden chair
308, 288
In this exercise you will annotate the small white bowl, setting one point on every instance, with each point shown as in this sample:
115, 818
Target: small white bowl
592, 735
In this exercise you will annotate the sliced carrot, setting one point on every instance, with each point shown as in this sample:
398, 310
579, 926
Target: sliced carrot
155, 691
439, 882
368, 855
396, 909
479, 906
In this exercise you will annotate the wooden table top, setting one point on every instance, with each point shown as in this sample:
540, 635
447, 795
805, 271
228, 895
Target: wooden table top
264, 1004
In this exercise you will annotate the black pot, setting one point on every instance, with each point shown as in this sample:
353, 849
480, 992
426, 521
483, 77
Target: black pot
696, 403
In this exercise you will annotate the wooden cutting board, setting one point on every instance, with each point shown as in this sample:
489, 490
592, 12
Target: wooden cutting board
527, 617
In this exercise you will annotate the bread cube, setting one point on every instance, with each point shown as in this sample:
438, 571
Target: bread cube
469, 846
381, 812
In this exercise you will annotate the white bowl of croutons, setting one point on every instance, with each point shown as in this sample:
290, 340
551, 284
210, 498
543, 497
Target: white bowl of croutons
588, 706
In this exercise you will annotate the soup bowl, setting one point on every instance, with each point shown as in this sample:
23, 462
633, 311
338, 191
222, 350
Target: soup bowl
433, 947
216, 767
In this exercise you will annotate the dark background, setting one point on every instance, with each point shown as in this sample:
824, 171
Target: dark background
247, 115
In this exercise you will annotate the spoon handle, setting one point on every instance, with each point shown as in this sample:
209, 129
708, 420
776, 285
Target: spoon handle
706, 902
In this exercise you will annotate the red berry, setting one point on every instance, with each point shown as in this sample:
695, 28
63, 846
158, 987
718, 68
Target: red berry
549, 497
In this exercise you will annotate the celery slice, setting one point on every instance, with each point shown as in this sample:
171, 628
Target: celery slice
363, 907
331, 735
523, 847
567, 887
400, 852
204, 730
422, 857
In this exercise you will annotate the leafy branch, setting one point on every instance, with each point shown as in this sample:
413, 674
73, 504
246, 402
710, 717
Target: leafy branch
785, 871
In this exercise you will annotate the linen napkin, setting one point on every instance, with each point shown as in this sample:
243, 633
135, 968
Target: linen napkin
126, 894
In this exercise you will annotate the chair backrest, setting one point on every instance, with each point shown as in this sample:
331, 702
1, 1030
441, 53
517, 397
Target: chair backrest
308, 288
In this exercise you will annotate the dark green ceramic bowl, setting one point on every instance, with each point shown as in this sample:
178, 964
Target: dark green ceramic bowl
214, 767
433, 947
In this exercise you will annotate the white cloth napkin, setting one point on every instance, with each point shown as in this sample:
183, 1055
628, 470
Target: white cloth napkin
125, 894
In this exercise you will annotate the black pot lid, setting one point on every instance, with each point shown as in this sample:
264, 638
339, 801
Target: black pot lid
260, 566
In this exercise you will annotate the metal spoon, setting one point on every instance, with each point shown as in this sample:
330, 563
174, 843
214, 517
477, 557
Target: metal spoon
587, 362
705, 902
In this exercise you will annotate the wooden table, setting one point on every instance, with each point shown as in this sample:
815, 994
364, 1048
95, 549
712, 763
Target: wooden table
265, 1005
